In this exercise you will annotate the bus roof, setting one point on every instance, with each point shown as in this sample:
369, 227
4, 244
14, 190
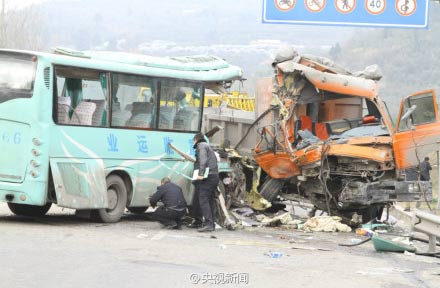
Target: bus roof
204, 68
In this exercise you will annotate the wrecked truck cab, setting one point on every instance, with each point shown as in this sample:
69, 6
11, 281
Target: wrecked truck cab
332, 140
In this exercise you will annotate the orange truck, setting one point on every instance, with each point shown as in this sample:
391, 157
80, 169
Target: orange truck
331, 139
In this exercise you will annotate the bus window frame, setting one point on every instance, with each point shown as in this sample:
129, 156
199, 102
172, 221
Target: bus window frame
55, 94
110, 100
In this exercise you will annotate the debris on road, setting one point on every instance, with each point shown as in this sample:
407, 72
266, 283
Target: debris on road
400, 244
326, 224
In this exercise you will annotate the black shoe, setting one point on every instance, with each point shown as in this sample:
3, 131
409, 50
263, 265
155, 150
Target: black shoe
206, 229
195, 225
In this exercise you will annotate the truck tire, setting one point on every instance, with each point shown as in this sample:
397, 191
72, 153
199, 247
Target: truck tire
271, 188
117, 200
29, 210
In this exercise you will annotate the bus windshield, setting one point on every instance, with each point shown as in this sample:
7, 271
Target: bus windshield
16, 77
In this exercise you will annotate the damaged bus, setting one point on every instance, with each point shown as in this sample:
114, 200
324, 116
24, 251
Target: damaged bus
74, 131
331, 140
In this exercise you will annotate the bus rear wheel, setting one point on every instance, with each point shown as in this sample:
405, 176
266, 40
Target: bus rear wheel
117, 199
29, 210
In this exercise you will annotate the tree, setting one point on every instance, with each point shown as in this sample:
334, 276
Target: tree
20, 28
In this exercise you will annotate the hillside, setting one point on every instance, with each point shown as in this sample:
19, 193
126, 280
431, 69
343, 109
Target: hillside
408, 58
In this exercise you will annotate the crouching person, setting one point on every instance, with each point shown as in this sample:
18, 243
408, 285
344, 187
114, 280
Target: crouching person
174, 204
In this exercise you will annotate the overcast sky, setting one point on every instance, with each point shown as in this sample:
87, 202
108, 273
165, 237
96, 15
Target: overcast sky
17, 4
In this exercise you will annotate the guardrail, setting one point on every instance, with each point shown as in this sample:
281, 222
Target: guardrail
428, 224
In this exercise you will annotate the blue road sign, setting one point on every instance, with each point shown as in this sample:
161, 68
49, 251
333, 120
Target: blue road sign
373, 13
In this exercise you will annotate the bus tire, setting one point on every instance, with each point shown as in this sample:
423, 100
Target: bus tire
117, 200
271, 188
29, 210
137, 210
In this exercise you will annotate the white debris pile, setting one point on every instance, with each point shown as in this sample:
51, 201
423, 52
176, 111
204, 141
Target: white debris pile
326, 224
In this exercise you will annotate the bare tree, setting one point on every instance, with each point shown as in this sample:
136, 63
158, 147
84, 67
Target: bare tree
20, 28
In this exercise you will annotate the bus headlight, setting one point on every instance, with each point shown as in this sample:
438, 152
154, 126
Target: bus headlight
410, 188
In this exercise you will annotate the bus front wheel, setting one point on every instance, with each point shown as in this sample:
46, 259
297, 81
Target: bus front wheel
117, 199
28, 210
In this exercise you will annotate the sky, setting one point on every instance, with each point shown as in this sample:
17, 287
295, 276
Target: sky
18, 4
11, 4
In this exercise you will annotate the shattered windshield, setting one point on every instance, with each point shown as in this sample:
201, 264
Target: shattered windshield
374, 130
16, 76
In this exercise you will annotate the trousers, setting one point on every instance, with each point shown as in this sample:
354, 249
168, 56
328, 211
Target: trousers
204, 200
167, 216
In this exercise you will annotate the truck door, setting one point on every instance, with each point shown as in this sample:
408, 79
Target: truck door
418, 129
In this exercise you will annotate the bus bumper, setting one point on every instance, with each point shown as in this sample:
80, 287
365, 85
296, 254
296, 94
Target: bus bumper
31, 194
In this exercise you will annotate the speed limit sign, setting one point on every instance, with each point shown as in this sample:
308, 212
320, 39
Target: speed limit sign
375, 7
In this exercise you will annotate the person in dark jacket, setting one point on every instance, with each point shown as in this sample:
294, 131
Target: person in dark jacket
205, 188
174, 204
424, 169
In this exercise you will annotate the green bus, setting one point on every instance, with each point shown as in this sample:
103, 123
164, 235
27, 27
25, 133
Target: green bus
74, 131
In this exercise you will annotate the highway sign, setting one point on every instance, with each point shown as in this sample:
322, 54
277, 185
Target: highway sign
373, 13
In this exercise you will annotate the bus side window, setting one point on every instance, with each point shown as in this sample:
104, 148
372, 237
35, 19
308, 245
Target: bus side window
134, 100
83, 114
63, 110
179, 109
140, 115
86, 90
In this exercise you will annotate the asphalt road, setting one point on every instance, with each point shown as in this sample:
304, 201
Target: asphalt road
60, 250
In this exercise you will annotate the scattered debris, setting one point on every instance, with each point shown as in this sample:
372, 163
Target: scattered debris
364, 232
284, 218
400, 244
311, 248
326, 224
275, 254
244, 211
356, 242
403, 270
140, 236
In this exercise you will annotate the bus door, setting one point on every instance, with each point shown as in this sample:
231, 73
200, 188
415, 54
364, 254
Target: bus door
77, 171
79, 183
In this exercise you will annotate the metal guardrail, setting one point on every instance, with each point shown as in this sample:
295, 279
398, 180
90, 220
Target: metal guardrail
428, 224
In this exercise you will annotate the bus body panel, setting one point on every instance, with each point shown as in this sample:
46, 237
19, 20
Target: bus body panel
82, 157
14, 150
